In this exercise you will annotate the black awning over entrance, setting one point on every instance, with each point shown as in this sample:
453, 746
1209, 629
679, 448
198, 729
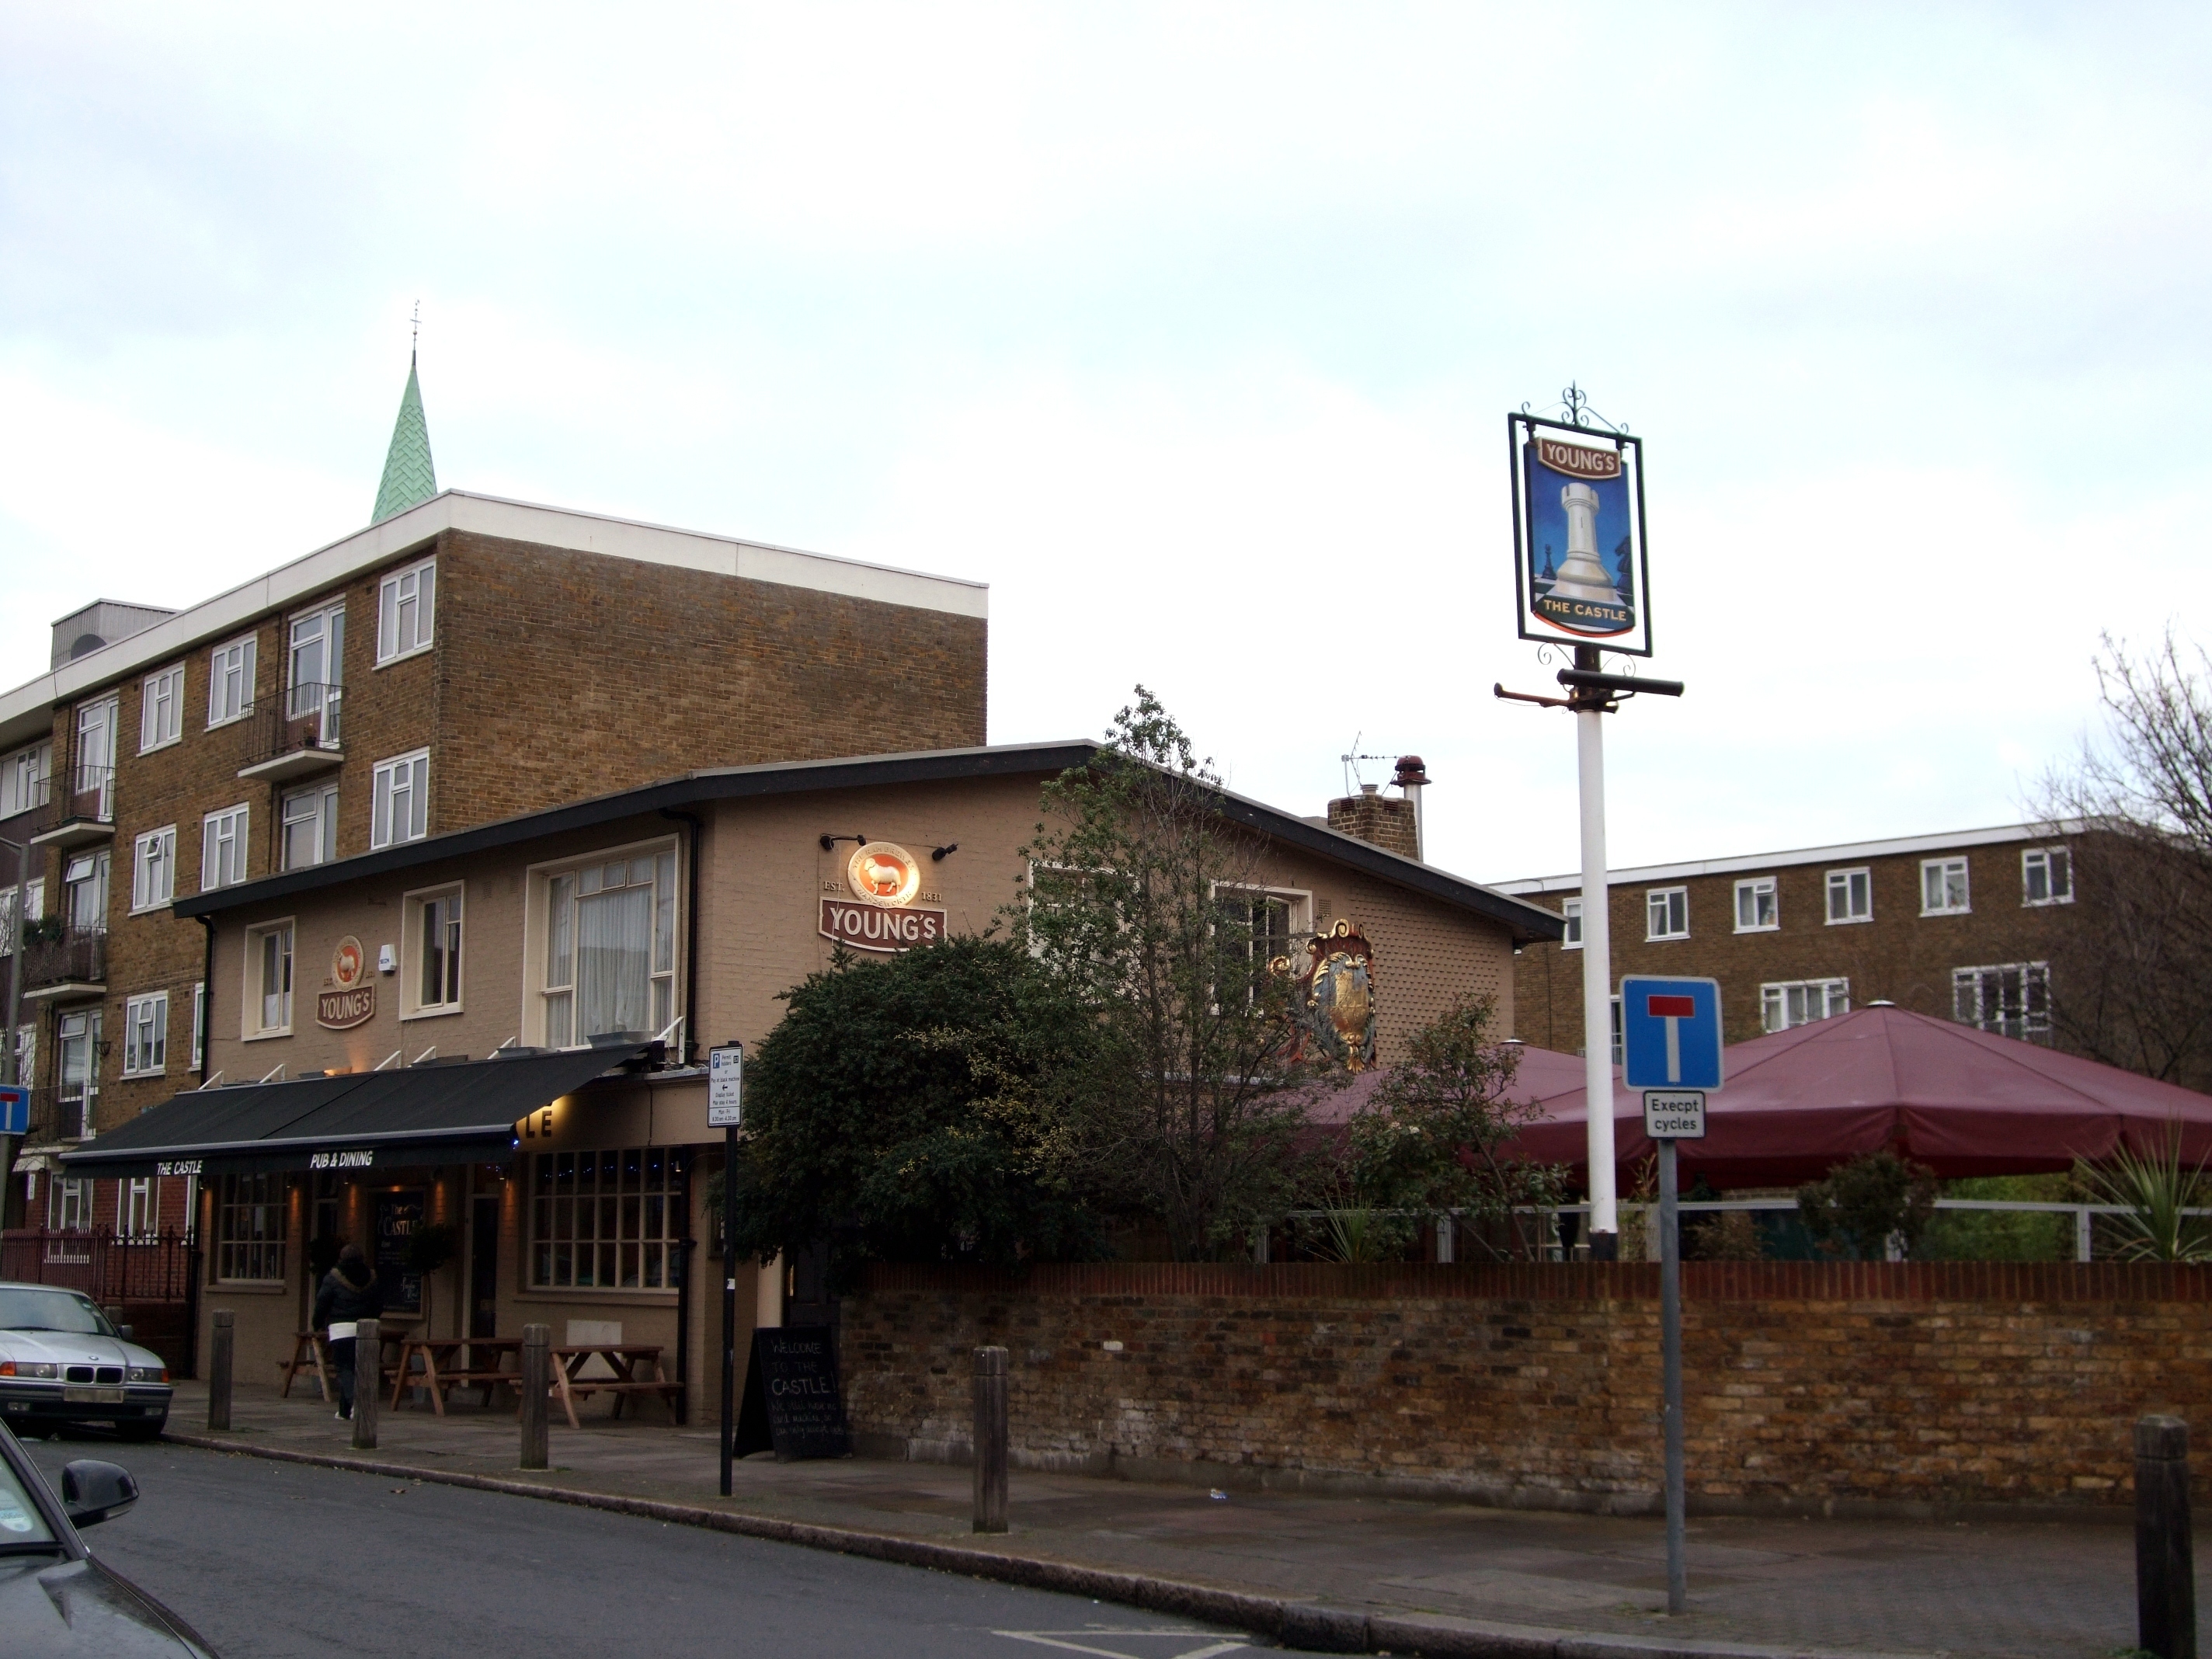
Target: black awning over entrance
459, 1113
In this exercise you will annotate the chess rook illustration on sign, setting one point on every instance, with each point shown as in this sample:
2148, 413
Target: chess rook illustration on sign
1579, 526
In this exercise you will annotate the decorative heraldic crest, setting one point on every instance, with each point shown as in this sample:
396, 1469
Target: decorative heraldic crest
1333, 998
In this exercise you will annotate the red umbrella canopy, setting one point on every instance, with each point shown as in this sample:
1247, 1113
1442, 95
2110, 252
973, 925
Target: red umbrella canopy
1963, 1102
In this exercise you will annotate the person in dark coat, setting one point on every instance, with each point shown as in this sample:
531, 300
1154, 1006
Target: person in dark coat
349, 1293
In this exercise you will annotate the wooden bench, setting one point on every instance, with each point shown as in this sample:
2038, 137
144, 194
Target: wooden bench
623, 1358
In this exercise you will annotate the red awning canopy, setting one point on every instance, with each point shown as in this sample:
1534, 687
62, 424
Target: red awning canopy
1963, 1102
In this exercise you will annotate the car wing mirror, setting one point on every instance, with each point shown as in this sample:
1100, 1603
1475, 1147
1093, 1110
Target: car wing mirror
126, 1333
93, 1492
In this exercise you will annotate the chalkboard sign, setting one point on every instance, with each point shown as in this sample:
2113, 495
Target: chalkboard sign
793, 1406
397, 1215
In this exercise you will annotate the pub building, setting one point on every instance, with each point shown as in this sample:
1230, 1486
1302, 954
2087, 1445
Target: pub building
503, 1030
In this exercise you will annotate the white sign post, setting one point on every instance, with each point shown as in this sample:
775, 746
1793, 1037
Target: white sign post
726, 1110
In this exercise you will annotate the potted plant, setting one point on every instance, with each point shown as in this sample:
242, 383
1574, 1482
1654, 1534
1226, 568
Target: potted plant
429, 1248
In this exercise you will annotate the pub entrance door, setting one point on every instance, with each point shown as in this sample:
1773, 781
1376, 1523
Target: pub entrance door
484, 1265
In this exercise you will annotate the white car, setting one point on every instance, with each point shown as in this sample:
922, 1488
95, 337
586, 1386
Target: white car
62, 1361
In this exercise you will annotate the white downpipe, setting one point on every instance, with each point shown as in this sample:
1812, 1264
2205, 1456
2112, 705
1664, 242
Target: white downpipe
1597, 972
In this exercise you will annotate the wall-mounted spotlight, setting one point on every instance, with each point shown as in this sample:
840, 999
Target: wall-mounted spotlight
829, 842
936, 854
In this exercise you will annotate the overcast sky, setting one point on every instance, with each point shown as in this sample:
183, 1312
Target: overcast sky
1192, 331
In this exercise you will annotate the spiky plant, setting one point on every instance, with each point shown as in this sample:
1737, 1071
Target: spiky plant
2154, 1192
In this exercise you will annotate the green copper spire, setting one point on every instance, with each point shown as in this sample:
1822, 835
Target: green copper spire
408, 477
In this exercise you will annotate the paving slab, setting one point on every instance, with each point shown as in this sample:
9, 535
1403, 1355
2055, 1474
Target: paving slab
2036, 1588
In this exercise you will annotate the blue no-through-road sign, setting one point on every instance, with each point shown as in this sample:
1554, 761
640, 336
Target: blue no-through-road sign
1670, 1031
14, 1109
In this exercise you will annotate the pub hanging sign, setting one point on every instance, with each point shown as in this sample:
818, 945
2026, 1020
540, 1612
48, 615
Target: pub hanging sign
354, 1000
884, 880
1579, 572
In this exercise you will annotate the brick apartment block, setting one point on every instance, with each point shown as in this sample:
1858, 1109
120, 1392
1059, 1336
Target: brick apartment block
1960, 926
496, 658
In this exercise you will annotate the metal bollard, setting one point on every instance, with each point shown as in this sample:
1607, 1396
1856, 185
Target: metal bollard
367, 1382
990, 1440
2166, 1578
226, 1333
536, 1378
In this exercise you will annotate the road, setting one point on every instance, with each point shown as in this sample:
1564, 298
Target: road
270, 1559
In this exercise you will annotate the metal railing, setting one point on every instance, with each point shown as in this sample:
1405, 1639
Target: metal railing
62, 1111
306, 717
108, 1269
74, 793
65, 955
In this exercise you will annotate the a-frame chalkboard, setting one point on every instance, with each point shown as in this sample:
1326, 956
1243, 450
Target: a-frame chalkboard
793, 1406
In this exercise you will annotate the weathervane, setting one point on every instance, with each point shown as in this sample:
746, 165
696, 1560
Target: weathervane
416, 340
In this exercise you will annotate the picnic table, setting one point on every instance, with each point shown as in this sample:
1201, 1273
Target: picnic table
623, 1360
444, 1369
311, 1353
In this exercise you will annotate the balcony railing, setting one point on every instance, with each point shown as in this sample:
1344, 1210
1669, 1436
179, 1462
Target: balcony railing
61, 1111
77, 797
58, 955
296, 732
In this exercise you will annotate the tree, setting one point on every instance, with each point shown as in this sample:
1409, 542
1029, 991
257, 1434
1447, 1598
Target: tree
2131, 974
1858, 1207
1430, 1138
915, 1109
1141, 903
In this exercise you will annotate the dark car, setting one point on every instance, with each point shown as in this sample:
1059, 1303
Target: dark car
54, 1598
62, 1361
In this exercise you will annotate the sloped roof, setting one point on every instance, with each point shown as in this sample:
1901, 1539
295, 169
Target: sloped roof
409, 476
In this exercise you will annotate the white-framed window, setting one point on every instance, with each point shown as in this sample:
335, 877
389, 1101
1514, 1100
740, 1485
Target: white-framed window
141, 1201
249, 1229
69, 1204
399, 805
430, 974
315, 660
311, 826
154, 868
1277, 917
2047, 876
1667, 913
609, 925
223, 847
1850, 895
24, 777
230, 681
406, 603
1571, 911
1943, 888
1619, 1051
146, 1035
269, 980
35, 905
199, 1025
84, 891
611, 1221
162, 708
77, 1057
2012, 998
1800, 1002
26, 1053
96, 747
1757, 910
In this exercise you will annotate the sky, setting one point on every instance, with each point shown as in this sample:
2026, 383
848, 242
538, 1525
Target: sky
1192, 330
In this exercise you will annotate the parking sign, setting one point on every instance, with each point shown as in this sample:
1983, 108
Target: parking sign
726, 1083
1670, 1032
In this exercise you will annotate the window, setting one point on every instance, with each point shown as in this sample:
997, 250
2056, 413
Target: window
1618, 1057
26, 1053
1944, 887
433, 934
141, 1207
95, 755
2047, 876
1800, 1002
249, 1228
84, 892
69, 1204
23, 779
399, 808
1263, 927
162, 708
230, 681
314, 664
404, 603
199, 1025
1572, 939
154, 869
608, 1219
1667, 913
2012, 998
146, 1035
77, 1042
268, 980
311, 827
35, 905
223, 848
610, 948
1851, 895
1757, 910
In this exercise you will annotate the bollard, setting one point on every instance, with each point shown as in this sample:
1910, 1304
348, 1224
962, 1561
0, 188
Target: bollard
368, 1380
2166, 1578
536, 1378
226, 1324
990, 1440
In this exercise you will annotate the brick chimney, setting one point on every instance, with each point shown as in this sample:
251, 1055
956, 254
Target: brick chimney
1389, 824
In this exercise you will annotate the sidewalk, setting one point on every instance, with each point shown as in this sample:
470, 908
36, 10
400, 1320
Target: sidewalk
2046, 1588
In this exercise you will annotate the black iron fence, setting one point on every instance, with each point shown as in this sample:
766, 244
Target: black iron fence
304, 719
60, 1111
57, 954
149, 1282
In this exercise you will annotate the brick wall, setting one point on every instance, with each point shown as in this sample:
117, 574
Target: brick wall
1386, 821
1811, 1386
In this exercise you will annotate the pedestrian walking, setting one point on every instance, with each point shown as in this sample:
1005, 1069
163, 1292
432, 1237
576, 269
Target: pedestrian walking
349, 1293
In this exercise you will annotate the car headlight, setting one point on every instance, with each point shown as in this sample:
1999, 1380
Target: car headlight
28, 1368
146, 1373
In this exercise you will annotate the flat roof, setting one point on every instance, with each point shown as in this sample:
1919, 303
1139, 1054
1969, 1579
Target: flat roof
1526, 922
26, 712
1850, 852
